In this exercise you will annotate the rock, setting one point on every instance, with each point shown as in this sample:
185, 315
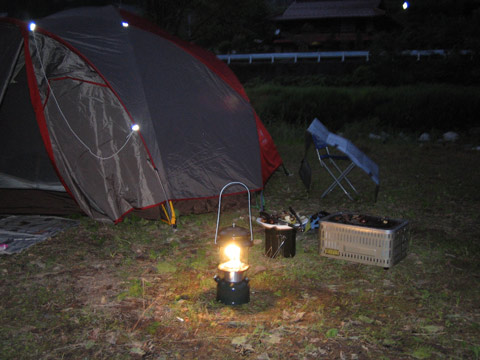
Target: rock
425, 137
450, 136
383, 136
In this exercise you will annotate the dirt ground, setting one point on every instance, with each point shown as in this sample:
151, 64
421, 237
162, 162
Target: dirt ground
140, 290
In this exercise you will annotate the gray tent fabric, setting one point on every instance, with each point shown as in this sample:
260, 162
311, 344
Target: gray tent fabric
24, 162
190, 100
79, 83
11, 44
321, 135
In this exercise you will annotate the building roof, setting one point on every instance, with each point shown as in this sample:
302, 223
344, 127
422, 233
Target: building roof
331, 9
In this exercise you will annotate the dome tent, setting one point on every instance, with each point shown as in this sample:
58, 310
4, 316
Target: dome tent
72, 87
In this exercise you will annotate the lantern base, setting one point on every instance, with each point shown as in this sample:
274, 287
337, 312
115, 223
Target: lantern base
232, 293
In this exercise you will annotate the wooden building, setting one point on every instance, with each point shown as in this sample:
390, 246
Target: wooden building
328, 25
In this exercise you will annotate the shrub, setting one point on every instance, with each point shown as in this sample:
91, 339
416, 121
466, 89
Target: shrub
407, 108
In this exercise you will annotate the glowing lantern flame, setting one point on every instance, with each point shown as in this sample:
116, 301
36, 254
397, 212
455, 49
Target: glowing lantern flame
232, 252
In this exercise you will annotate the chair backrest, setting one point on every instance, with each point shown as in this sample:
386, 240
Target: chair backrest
320, 135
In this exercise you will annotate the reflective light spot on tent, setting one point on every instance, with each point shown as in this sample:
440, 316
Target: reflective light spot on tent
231, 102
405, 5
135, 127
32, 26
124, 24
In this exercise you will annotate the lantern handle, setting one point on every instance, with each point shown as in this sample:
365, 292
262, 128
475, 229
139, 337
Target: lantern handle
220, 206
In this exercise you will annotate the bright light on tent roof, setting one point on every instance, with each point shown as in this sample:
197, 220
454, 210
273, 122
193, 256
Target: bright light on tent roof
405, 5
124, 24
135, 127
32, 26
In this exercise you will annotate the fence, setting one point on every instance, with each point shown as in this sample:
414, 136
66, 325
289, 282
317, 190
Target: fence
318, 56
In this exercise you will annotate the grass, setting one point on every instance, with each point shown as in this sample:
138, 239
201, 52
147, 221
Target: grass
139, 290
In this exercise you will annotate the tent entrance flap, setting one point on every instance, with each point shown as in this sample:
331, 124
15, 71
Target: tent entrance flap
102, 161
24, 162
11, 43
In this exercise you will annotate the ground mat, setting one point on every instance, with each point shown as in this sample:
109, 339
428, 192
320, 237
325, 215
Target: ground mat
19, 232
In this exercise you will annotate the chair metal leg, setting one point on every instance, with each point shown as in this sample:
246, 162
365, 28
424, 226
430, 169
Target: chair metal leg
340, 172
337, 180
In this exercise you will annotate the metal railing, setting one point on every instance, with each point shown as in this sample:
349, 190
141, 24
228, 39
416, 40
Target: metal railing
318, 56
295, 56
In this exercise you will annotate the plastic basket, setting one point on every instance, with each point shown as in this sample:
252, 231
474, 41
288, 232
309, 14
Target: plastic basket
383, 247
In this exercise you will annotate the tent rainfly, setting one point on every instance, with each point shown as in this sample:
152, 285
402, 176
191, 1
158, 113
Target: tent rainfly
74, 84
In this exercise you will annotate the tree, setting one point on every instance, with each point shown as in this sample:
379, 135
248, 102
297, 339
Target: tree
229, 25
435, 24
171, 15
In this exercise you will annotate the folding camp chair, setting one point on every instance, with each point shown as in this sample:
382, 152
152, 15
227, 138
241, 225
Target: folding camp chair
324, 141
327, 158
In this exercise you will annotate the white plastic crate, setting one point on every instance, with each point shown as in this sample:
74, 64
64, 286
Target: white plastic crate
383, 246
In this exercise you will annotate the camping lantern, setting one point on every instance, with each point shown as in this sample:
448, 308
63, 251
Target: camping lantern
233, 243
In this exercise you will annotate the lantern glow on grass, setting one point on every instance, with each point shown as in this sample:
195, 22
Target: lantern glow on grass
233, 243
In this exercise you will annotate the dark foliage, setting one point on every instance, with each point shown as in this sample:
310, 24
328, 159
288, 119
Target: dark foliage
414, 108
244, 26
433, 24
